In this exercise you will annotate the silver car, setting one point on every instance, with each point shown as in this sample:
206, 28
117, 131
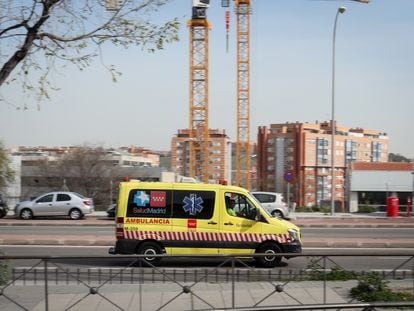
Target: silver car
273, 202
59, 203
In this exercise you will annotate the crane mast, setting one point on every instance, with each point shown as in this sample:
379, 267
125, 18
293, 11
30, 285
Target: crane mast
199, 125
243, 146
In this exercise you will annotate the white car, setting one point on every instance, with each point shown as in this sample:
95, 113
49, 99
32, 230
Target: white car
273, 202
59, 203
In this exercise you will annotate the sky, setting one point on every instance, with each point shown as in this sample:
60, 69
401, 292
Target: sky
291, 79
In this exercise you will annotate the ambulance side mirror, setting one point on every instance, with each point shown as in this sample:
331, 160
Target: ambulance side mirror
260, 217
255, 214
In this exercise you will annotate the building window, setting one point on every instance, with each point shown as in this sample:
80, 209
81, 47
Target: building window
351, 151
322, 151
323, 170
376, 151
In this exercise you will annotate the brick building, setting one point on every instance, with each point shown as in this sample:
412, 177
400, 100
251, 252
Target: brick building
219, 154
304, 150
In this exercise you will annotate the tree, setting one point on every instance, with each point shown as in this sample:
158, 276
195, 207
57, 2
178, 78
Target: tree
36, 35
89, 170
6, 172
83, 169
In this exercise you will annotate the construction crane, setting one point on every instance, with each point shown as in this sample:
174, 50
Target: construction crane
199, 125
199, 129
243, 145
199, 71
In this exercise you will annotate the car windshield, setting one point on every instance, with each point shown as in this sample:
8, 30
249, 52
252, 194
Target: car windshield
258, 202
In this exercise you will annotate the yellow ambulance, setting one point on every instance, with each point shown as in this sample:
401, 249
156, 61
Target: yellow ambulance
195, 218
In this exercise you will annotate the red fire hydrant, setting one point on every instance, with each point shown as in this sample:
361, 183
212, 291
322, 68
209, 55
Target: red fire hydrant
392, 206
409, 207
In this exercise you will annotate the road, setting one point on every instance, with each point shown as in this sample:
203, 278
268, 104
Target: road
352, 259
108, 231
340, 235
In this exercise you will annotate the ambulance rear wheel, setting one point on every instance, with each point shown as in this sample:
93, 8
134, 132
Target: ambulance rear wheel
148, 249
268, 261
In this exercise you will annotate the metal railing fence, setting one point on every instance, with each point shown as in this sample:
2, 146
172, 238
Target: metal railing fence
219, 282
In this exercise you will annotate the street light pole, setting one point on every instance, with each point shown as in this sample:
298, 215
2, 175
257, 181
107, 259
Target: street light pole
341, 10
412, 192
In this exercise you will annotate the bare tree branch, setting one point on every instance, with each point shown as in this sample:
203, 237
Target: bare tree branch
38, 34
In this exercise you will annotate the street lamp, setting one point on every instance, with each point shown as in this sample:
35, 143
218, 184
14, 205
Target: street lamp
412, 192
341, 10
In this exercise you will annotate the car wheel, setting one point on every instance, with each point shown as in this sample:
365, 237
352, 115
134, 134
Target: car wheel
2, 214
75, 214
277, 213
26, 214
268, 249
148, 249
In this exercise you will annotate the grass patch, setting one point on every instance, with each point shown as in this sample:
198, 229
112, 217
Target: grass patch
371, 287
5, 272
335, 273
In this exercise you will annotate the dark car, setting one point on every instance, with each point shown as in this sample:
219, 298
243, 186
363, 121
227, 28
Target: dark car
111, 211
3, 206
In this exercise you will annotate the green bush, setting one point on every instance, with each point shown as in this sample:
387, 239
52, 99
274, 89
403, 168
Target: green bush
4, 270
305, 209
371, 287
317, 273
313, 209
366, 209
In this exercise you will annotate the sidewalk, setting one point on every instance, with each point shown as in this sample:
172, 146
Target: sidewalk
183, 296
173, 296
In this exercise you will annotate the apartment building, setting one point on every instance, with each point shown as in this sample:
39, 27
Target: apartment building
123, 156
304, 151
219, 155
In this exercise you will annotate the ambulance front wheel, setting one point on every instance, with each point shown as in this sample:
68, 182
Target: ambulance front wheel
268, 261
148, 249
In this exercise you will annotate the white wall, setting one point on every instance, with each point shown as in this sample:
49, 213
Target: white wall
13, 190
401, 181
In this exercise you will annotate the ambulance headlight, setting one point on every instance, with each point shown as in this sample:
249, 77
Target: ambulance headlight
294, 234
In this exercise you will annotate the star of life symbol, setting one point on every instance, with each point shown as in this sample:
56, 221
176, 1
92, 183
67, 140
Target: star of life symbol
192, 204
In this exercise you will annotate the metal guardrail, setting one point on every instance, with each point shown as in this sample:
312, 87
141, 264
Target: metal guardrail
269, 289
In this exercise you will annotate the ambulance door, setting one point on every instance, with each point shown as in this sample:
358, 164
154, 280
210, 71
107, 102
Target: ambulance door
239, 228
194, 224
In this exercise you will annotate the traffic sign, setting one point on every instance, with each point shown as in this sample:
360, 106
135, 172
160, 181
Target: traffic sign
289, 176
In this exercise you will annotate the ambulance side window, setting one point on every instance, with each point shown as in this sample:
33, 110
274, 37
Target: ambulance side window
245, 208
193, 204
149, 203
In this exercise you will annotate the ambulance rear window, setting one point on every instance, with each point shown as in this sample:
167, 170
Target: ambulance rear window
171, 204
149, 203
